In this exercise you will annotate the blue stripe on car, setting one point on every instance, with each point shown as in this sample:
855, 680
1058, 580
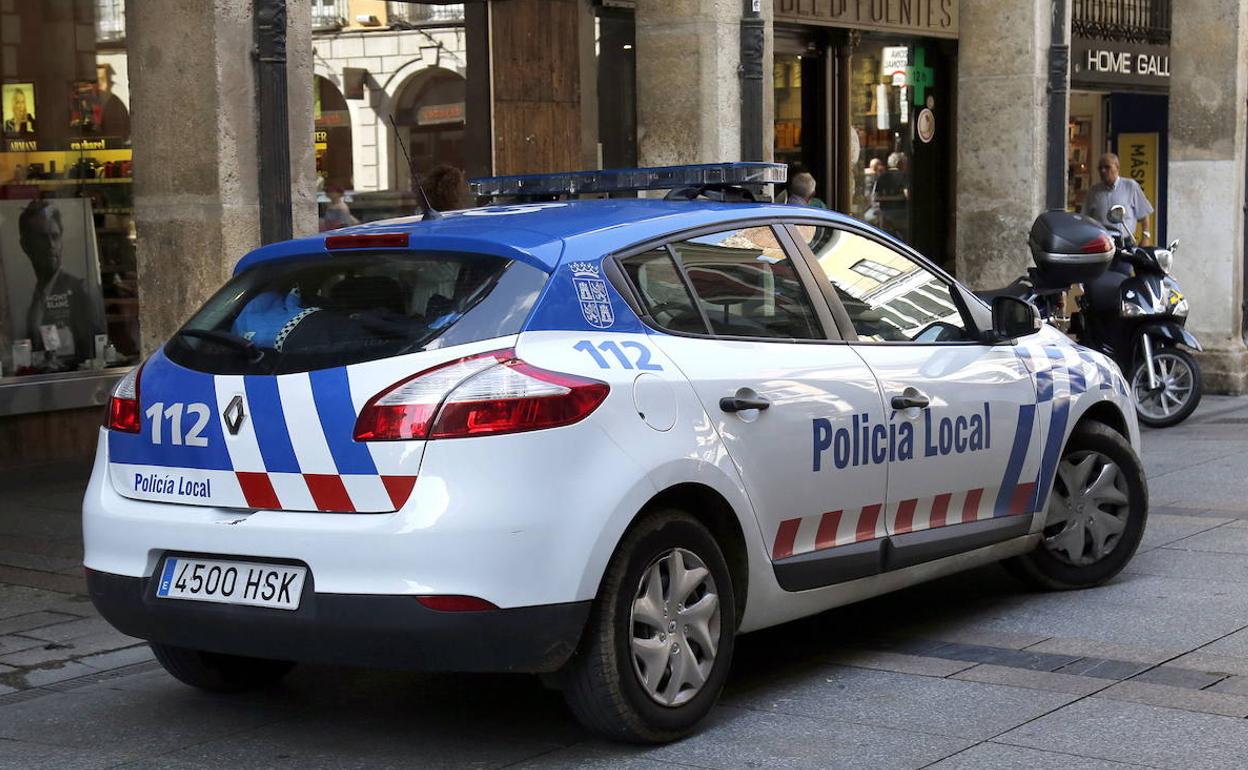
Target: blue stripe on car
1018, 454
270, 423
332, 394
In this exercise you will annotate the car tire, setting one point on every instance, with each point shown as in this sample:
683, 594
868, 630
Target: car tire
1074, 521
604, 683
216, 672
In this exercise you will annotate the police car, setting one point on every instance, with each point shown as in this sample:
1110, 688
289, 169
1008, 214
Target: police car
593, 439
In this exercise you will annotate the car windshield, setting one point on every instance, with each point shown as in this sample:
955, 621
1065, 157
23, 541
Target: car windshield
319, 312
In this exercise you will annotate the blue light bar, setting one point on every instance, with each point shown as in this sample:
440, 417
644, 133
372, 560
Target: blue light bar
631, 179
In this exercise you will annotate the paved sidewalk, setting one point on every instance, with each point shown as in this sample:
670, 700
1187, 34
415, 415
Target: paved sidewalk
972, 671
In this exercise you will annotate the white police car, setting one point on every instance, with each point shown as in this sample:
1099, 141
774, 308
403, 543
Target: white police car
594, 439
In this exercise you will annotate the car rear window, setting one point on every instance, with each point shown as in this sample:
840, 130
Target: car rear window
319, 312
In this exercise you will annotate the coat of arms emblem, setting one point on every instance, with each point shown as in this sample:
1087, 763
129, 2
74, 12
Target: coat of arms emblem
591, 291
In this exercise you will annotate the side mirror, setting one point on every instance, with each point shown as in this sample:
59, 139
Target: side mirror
1174, 245
1117, 214
1013, 318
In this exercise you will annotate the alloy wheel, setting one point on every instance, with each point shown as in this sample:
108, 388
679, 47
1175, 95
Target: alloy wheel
1089, 508
1175, 385
675, 627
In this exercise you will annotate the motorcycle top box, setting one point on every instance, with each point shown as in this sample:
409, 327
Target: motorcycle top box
1069, 248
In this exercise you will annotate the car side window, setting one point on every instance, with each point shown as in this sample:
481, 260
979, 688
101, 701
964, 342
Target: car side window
889, 297
745, 285
663, 291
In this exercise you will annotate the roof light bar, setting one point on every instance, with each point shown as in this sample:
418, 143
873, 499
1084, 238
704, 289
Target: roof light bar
631, 179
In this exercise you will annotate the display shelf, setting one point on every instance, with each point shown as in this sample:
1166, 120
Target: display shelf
76, 182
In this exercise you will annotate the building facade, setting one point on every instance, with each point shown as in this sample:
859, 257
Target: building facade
134, 146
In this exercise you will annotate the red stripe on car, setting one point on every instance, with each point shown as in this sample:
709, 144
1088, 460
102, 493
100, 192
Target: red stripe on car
866, 522
970, 509
785, 537
329, 493
399, 488
826, 536
940, 509
258, 490
1022, 498
905, 516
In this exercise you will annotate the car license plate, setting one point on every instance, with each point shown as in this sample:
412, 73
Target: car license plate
278, 586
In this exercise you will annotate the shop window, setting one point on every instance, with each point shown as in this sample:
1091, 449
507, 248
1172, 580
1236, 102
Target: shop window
330, 14
68, 274
110, 21
403, 13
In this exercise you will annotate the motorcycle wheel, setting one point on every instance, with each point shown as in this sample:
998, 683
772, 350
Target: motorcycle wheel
1180, 388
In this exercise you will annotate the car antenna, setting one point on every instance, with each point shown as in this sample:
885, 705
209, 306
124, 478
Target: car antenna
430, 213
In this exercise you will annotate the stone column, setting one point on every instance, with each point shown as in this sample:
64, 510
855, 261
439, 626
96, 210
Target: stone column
1208, 88
1001, 143
688, 87
195, 137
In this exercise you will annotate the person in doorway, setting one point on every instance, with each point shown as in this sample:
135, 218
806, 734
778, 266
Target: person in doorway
892, 194
874, 173
1114, 190
337, 213
801, 191
63, 317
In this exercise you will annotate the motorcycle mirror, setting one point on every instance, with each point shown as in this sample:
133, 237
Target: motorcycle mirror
1174, 245
1117, 214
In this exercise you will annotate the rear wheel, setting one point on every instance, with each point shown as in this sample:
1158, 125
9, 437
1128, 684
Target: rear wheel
1096, 513
217, 672
659, 642
1178, 390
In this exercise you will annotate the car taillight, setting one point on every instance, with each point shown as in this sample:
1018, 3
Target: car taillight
1098, 245
483, 395
123, 407
406, 409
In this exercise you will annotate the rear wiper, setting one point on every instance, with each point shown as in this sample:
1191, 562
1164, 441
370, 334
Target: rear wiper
241, 344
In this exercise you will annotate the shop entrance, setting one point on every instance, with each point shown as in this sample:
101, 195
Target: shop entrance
871, 118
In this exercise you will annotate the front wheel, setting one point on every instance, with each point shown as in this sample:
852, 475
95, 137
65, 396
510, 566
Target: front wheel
1178, 391
659, 642
1095, 516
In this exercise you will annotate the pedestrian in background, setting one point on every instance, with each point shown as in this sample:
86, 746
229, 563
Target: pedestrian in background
1114, 190
337, 212
447, 188
801, 191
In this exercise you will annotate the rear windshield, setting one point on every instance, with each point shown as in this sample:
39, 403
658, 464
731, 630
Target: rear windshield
320, 312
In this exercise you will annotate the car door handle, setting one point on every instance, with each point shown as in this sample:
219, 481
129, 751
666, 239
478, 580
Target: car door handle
911, 399
738, 404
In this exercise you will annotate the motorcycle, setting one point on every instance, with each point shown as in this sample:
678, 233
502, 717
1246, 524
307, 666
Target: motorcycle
1131, 308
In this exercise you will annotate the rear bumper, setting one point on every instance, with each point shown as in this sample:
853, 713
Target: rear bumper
348, 629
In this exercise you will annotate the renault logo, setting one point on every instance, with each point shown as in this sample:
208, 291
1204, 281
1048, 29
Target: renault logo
234, 415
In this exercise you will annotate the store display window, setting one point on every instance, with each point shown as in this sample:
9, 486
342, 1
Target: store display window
68, 277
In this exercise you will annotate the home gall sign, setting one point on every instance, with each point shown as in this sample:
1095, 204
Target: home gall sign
1097, 63
930, 18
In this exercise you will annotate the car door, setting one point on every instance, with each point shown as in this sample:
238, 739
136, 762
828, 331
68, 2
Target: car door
962, 470
734, 312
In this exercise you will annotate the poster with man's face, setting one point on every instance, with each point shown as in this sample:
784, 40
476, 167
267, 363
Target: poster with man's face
51, 278
18, 102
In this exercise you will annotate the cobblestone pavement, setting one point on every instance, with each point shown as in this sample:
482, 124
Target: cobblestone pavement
971, 671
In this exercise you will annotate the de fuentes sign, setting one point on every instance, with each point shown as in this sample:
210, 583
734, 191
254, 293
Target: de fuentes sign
1101, 63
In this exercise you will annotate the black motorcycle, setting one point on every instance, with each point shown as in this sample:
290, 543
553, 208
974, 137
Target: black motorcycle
1131, 309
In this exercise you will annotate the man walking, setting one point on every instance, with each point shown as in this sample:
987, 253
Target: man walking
1114, 190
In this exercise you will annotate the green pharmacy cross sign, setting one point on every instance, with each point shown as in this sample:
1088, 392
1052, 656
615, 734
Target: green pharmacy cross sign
920, 76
